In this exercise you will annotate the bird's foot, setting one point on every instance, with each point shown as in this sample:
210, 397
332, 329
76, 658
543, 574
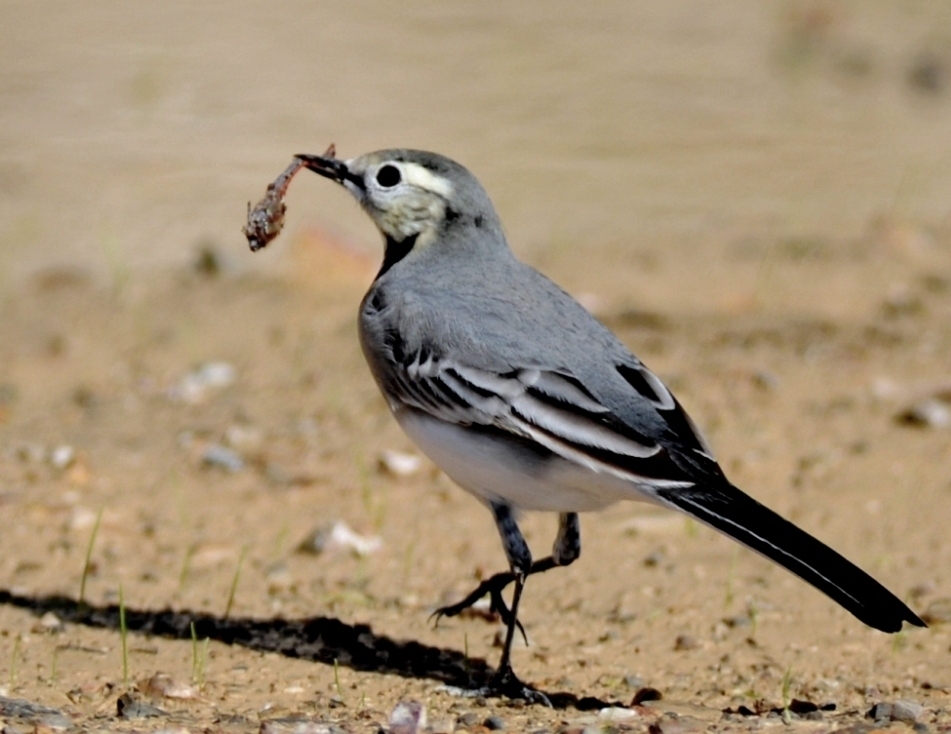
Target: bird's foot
493, 587
506, 683
503, 684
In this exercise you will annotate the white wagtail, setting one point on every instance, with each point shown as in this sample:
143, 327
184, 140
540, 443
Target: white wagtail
528, 402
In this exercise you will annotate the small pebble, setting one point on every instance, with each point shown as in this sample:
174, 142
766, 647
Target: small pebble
42, 716
129, 708
905, 710
443, 725
51, 623
163, 685
408, 717
938, 611
399, 464
468, 719
339, 536
670, 724
685, 642
616, 713
298, 725
930, 413
279, 578
194, 387
765, 380
216, 455
494, 723
244, 438
62, 457
880, 712
901, 710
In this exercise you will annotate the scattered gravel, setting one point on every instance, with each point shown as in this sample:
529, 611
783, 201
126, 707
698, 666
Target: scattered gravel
468, 719
901, 710
339, 536
494, 723
163, 685
298, 725
62, 457
408, 717
931, 413
938, 611
216, 455
128, 707
399, 464
686, 642
195, 387
41, 716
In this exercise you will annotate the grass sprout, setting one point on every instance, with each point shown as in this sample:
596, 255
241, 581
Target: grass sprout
199, 657
234, 581
787, 699
88, 563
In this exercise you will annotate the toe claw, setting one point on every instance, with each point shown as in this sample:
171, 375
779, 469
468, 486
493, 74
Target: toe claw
505, 683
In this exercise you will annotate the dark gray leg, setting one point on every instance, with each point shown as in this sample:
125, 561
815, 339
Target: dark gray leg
566, 549
520, 561
513, 542
567, 545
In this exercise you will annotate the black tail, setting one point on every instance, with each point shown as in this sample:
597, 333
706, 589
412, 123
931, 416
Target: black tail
738, 515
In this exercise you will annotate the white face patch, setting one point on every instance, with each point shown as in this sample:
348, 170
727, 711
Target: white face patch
412, 203
415, 175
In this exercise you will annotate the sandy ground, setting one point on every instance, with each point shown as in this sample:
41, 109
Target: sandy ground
190, 427
801, 410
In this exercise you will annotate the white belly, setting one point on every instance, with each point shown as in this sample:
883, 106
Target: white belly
493, 468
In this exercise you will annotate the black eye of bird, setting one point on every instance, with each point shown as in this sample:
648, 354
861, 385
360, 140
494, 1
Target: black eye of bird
388, 176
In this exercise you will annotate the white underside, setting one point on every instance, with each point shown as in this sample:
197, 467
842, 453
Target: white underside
492, 468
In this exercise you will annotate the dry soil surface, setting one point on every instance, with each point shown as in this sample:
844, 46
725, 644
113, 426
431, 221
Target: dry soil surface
202, 426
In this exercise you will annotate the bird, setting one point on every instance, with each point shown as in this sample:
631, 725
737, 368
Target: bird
528, 402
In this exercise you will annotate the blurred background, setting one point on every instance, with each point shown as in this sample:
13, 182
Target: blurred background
132, 135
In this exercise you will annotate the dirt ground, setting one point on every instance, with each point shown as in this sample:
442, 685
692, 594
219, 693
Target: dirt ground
177, 423
802, 410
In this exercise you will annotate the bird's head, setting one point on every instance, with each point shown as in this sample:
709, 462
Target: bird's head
413, 196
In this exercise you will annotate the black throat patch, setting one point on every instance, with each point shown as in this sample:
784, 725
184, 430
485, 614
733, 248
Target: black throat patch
395, 251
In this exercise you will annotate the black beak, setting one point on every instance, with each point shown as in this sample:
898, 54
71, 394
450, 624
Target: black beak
332, 168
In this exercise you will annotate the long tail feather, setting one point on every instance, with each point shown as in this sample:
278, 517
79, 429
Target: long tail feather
738, 515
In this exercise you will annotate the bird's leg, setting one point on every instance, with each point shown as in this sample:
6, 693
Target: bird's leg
567, 545
520, 561
566, 549
505, 682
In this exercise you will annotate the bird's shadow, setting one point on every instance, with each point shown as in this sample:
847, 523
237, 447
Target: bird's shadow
319, 639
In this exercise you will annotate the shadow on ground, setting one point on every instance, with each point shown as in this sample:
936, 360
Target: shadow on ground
319, 639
